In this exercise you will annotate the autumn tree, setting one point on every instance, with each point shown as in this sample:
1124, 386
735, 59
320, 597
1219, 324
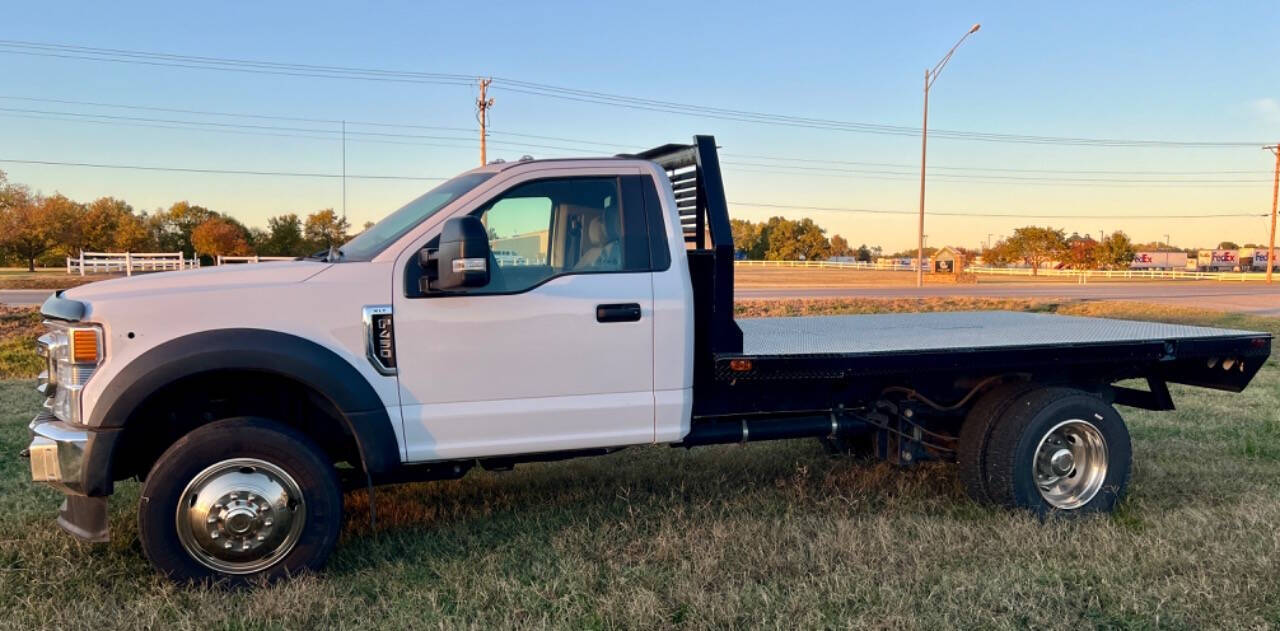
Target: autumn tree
131, 234
1079, 253
325, 229
1114, 252
787, 240
746, 238
840, 247
100, 225
220, 237
172, 228
1031, 245
31, 226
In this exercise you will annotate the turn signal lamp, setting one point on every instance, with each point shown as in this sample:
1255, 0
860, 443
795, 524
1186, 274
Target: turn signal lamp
84, 346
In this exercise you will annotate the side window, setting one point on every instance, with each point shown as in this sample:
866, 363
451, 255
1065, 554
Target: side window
553, 227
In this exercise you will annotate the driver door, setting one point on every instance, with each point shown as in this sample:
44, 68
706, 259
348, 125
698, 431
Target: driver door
556, 352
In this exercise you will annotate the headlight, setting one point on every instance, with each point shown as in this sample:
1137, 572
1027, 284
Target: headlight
72, 353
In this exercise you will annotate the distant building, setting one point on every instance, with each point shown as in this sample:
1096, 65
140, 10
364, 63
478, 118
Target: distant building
948, 260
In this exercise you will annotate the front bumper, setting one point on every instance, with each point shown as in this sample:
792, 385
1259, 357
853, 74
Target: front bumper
75, 461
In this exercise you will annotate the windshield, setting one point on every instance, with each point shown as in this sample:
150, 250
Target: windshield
369, 243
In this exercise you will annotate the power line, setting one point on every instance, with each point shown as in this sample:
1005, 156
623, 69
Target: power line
572, 94
979, 179
98, 165
265, 130
136, 167
972, 168
333, 121
811, 168
993, 177
872, 211
578, 141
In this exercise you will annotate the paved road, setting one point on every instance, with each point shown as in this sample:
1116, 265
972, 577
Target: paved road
23, 296
1248, 298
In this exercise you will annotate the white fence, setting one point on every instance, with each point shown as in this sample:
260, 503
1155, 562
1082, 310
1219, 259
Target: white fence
223, 260
1080, 276
128, 262
896, 267
1084, 275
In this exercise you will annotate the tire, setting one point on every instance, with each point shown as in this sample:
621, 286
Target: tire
975, 433
237, 479
1035, 430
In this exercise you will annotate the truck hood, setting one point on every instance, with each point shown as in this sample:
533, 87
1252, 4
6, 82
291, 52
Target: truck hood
204, 279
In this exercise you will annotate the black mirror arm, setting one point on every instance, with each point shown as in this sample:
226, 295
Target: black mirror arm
429, 262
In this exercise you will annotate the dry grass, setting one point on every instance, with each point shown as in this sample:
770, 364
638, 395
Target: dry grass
46, 279
771, 535
841, 306
745, 276
19, 327
807, 277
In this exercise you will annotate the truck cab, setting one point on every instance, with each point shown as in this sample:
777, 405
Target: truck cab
538, 310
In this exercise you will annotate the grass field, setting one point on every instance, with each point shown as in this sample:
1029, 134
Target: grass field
52, 278
769, 535
799, 277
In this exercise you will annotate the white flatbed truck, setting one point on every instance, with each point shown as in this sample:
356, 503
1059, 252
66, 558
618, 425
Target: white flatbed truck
245, 398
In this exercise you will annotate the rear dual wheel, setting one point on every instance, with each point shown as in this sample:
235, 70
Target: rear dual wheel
1046, 449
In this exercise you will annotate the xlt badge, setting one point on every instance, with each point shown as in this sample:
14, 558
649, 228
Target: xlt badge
380, 338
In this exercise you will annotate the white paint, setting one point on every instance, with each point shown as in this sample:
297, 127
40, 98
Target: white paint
480, 375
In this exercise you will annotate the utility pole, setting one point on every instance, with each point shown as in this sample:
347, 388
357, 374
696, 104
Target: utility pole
344, 170
482, 116
930, 75
1275, 192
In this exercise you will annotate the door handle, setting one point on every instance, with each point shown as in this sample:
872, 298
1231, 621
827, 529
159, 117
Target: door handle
625, 312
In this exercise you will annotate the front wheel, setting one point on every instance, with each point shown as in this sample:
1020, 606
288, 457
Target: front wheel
1059, 450
240, 498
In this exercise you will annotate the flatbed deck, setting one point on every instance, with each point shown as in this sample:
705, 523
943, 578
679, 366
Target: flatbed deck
952, 331
914, 346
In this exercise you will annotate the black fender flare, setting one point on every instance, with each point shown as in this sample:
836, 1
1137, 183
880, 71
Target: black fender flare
257, 350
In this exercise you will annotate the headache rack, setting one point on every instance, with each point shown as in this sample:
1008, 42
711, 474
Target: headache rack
694, 171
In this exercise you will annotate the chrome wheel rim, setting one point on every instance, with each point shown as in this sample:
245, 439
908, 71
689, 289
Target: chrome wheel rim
1070, 464
240, 516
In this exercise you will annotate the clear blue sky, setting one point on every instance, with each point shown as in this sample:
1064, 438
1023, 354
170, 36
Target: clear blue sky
1086, 69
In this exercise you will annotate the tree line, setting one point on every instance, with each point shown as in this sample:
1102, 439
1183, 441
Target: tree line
41, 229
1035, 246
782, 239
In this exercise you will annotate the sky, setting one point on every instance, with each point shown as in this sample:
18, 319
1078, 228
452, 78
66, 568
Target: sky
1199, 72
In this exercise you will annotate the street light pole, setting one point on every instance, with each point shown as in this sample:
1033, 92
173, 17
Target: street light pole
930, 75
